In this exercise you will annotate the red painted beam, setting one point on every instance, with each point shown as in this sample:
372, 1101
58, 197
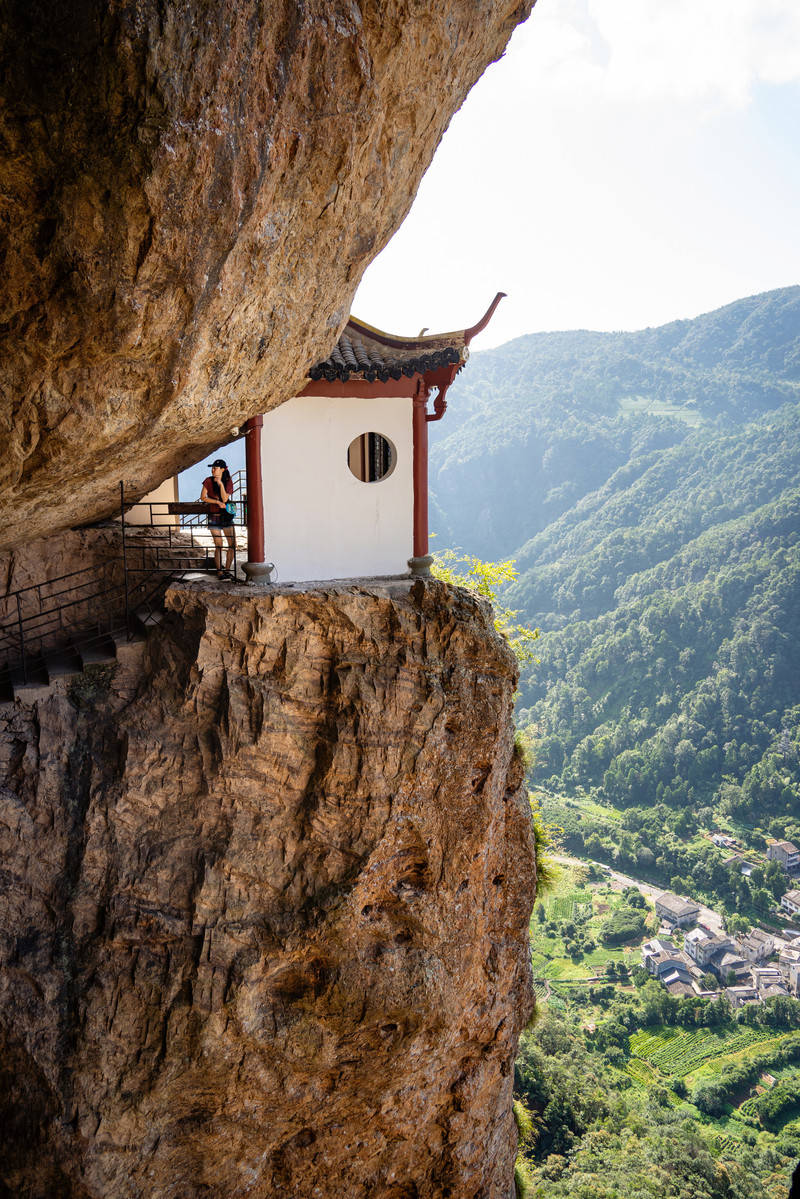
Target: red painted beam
420, 468
360, 389
255, 491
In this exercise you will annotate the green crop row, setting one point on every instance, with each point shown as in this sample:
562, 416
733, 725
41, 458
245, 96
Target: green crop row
641, 1072
676, 1051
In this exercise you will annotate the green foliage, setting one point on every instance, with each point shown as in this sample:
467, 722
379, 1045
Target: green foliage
524, 1121
523, 1180
565, 937
627, 924
713, 1094
488, 580
617, 1128
634, 898
537, 427
680, 686
91, 686
651, 842
545, 836
646, 486
776, 1104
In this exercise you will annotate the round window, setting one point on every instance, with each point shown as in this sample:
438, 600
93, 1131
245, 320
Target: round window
371, 457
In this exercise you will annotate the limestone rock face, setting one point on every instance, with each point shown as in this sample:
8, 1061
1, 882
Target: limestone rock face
264, 928
190, 191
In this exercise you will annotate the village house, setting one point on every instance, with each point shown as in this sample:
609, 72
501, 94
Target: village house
723, 962
790, 902
774, 991
787, 854
741, 996
694, 941
670, 966
707, 947
676, 912
676, 983
793, 979
654, 950
756, 946
789, 953
788, 956
764, 977
675, 975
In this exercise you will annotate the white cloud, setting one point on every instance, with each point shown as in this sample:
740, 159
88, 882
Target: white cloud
710, 52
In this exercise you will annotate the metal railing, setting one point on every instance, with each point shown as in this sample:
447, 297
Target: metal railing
85, 606
159, 514
43, 611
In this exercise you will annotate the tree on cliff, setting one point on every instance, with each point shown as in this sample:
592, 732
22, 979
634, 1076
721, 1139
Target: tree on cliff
488, 579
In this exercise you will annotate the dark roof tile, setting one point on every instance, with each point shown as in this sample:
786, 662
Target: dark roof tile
370, 354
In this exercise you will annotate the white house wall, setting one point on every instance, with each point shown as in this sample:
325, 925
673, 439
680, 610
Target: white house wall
321, 522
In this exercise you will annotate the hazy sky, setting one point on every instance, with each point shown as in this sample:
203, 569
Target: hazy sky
626, 163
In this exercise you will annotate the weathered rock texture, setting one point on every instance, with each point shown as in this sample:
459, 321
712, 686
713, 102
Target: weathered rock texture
190, 191
264, 929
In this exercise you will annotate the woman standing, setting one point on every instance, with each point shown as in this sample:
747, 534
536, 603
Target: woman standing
217, 491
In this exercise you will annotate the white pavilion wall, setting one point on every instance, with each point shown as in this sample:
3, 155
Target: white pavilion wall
321, 522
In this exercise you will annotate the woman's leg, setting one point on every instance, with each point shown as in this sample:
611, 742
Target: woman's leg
217, 537
230, 537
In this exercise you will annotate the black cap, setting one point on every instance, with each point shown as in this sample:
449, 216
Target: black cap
219, 462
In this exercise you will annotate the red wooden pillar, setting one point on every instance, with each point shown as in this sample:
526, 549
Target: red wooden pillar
256, 569
421, 562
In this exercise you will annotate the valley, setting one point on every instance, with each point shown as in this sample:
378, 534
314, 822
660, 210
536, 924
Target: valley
645, 487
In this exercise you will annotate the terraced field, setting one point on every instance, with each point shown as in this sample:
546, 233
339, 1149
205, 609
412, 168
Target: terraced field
677, 1051
641, 1072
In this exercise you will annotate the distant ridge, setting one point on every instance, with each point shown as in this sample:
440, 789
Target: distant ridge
648, 486
544, 420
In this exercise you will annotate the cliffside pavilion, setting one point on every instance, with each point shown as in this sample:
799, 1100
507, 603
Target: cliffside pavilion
341, 470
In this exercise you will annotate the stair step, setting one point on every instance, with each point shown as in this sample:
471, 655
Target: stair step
64, 663
175, 558
98, 653
130, 651
32, 684
123, 641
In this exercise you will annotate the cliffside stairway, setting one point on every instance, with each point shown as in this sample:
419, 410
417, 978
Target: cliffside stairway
52, 631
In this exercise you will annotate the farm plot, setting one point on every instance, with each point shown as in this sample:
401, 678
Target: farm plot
676, 1051
641, 1072
750, 1106
715, 1065
563, 907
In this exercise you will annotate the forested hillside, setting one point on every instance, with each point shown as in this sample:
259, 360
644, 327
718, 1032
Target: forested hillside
540, 423
678, 656
648, 485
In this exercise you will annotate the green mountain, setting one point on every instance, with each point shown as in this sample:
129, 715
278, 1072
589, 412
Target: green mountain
544, 421
648, 485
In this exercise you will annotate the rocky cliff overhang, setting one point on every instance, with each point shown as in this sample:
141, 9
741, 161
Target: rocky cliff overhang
189, 194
